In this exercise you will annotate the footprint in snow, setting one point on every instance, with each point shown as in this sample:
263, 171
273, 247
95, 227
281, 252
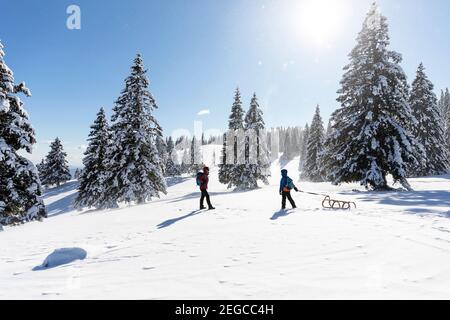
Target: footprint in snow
238, 284
148, 268
50, 293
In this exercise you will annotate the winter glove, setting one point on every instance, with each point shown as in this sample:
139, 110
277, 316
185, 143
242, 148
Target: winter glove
296, 190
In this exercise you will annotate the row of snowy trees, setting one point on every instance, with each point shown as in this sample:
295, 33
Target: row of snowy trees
244, 174
382, 127
290, 142
191, 160
122, 162
20, 188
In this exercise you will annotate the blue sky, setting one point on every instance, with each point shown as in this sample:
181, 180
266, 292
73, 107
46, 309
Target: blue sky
198, 52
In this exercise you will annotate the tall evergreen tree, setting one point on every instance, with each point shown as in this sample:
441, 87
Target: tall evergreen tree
135, 174
203, 139
329, 128
20, 187
161, 147
444, 108
371, 136
236, 122
326, 158
429, 130
170, 145
246, 175
42, 170
77, 174
313, 170
92, 188
304, 148
254, 117
56, 168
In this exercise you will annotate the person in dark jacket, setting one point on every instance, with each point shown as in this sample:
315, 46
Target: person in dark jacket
204, 179
286, 185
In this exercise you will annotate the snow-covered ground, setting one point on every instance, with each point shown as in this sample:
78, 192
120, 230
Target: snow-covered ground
394, 245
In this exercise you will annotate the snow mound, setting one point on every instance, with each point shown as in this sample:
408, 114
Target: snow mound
61, 257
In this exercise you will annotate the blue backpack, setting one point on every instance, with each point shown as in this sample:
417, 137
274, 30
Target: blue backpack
290, 184
199, 176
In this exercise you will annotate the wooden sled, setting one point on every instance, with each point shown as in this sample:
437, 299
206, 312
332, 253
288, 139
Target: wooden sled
329, 203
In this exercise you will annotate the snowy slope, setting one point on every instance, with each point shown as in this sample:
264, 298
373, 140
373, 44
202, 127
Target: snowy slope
395, 245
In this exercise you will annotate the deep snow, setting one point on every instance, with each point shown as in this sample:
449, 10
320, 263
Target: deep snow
394, 245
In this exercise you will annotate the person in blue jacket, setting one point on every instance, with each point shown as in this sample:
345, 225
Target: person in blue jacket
286, 185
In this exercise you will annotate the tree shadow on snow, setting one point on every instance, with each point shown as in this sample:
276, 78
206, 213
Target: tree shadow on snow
170, 222
62, 205
171, 181
421, 202
69, 186
195, 195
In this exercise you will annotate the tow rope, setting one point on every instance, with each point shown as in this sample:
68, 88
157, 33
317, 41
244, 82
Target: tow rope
329, 203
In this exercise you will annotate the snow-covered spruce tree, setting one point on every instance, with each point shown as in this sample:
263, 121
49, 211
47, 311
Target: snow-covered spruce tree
204, 142
56, 168
186, 163
41, 168
170, 146
91, 191
228, 167
304, 148
77, 174
429, 130
236, 119
329, 128
246, 175
20, 187
135, 174
172, 169
446, 117
444, 108
224, 168
162, 152
313, 170
326, 158
371, 136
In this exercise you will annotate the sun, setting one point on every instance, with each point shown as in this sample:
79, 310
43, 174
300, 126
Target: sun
321, 20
